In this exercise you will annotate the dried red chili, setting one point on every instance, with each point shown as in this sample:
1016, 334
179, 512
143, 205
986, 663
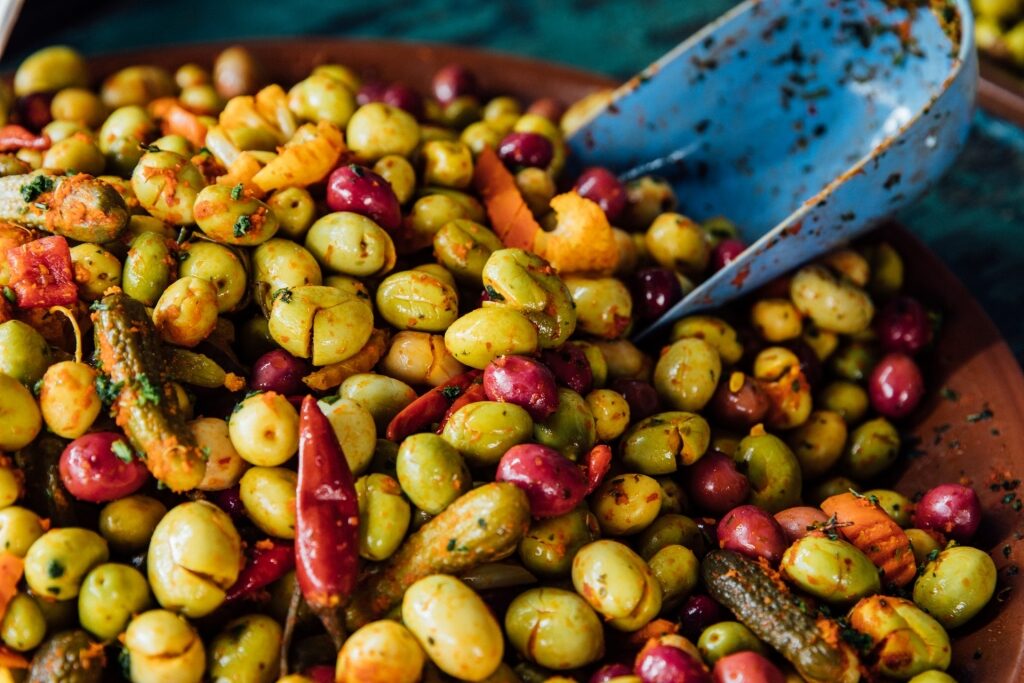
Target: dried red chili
13, 138
596, 465
41, 273
430, 407
474, 393
268, 561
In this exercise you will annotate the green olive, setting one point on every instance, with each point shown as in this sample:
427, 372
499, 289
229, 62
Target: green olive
417, 300
676, 242
463, 247
351, 244
76, 153
381, 652
399, 173
617, 583
830, 487
611, 413
853, 361
420, 358
604, 307
479, 135
23, 626
268, 496
95, 269
174, 143
923, 544
322, 98
279, 265
58, 561
383, 516
264, 429
818, 443
246, 651
670, 529
376, 130
483, 334
220, 266
355, 430
482, 431
776, 320
431, 472
932, 677
194, 557
137, 85
659, 444
49, 70
833, 304
128, 523
895, 504
148, 268
595, 359
624, 360
626, 504
383, 396
847, 399
555, 628
830, 570
956, 585
186, 312
726, 638
773, 472
21, 417
687, 373
447, 163
321, 323
677, 570
523, 281
167, 185
550, 545
647, 198
571, 429
886, 269
227, 215
163, 647
454, 626
110, 595
433, 211
19, 529
872, 448
295, 211
68, 400
905, 640
24, 353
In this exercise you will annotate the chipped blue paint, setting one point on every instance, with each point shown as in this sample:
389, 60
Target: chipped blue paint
803, 121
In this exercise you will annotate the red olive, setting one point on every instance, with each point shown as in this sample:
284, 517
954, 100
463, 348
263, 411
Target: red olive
655, 290
951, 509
100, 467
279, 371
357, 189
715, 484
570, 366
610, 672
453, 81
667, 664
797, 522
746, 667
697, 613
903, 325
751, 531
740, 402
230, 501
725, 252
525, 149
553, 484
601, 186
895, 386
523, 381
641, 396
404, 97
550, 109
371, 91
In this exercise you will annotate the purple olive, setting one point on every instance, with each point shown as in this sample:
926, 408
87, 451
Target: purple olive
279, 371
610, 672
950, 508
725, 252
810, 364
33, 111
453, 81
667, 664
641, 396
371, 91
230, 501
903, 325
404, 97
746, 667
600, 185
570, 367
697, 613
553, 484
751, 531
715, 484
895, 386
740, 402
655, 290
526, 149
359, 190
797, 522
523, 381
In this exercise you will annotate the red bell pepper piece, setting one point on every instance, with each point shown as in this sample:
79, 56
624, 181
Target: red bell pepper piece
430, 407
268, 562
41, 274
475, 392
326, 521
13, 138
596, 465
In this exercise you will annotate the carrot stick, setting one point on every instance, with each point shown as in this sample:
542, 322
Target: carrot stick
866, 525
510, 216
180, 121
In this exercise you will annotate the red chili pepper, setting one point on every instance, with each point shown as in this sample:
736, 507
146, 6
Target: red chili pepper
474, 393
269, 561
596, 465
430, 407
41, 274
13, 138
326, 521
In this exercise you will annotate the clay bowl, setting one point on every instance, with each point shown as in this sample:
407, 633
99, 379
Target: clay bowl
972, 425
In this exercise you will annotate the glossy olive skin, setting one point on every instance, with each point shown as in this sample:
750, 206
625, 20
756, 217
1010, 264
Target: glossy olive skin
617, 583
956, 585
906, 641
23, 420
799, 521
482, 335
485, 430
726, 638
952, 509
128, 523
551, 544
60, 658
110, 595
571, 429
833, 304
831, 570
871, 448
677, 570
818, 443
59, 560
773, 471
167, 185
246, 650
26, 354
523, 281
380, 652
661, 443
626, 504
19, 529
228, 217
163, 646
555, 628
687, 374
716, 485
148, 268
552, 483
383, 516
431, 472
524, 382
415, 300
268, 496
68, 399
751, 531
670, 529
739, 402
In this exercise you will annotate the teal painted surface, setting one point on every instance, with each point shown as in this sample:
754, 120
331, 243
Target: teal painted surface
974, 219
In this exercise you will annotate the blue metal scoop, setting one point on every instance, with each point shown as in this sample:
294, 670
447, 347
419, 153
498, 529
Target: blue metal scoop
803, 121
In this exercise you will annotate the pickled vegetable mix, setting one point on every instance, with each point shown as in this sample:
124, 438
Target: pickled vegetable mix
333, 381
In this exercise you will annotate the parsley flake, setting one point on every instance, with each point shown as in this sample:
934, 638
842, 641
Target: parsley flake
10, 295
148, 392
984, 414
236, 191
284, 294
242, 226
451, 393
106, 389
949, 394
123, 451
35, 187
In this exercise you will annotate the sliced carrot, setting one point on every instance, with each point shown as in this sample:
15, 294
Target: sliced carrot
11, 569
510, 217
307, 158
867, 526
582, 241
180, 121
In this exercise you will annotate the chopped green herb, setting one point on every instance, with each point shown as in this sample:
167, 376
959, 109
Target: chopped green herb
205, 450
149, 148
984, 414
204, 150
243, 224
35, 187
493, 294
107, 390
148, 392
949, 394
37, 388
932, 555
357, 170
331, 400
10, 295
451, 544
98, 305
182, 256
236, 191
284, 294
451, 393
481, 522
123, 451
124, 660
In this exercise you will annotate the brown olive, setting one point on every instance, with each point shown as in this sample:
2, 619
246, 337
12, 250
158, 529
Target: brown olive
740, 402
